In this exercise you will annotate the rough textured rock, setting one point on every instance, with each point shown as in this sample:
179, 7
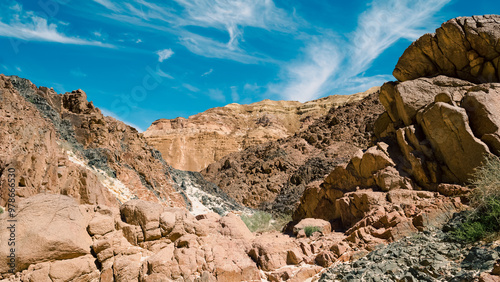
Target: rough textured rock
48, 228
454, 144
31, 146
424, 112
323, 225
206, 247
482, 108
403, 100
63, 144
192, 144
464, 47
274, 250
422, 257
274, 175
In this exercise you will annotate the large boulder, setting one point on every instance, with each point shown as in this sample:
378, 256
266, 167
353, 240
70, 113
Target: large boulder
48, 228
465, 47
482, 107
403, 100
145, 214
176, 222
322, 225
274, 250
447, 129
232, 226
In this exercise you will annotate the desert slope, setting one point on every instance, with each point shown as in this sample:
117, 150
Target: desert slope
194, 143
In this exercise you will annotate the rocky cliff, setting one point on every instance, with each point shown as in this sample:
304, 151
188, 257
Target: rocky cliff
434, 132
273, 176
194, 143
62, 144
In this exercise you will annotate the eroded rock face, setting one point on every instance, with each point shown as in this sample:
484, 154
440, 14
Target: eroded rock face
274, 175
63, 144
47, 228
464, 47
31, 147
60, 240
192, 144
433, 135
423, 257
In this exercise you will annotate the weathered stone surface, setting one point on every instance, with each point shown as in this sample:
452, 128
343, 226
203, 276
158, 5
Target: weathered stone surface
274, 175
323, 225
101, 224
233, 226
482, 107
423, 257
145, 214
274, 250
403, 100
127, 267
62, 144
465, 47
192, 144
176, 222
455, 145
48, 227
77, 269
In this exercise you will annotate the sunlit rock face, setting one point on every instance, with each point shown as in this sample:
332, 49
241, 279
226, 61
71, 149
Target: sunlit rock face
62, 144
194, 143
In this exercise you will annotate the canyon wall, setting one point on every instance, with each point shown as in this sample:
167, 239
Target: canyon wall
194, 143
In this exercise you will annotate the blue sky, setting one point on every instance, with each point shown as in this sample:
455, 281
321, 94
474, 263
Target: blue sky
142, 60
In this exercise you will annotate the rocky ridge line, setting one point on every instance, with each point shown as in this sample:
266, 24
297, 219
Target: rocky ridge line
194, 143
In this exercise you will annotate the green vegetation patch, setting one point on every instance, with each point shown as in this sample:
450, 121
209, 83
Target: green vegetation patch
309, 230
261, 221
484, 220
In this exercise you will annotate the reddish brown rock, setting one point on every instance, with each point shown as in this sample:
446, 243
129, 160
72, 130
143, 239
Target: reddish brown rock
274, 175
62, 144
464, 47
194, 143
323, 225
274, 250
482, 108
48, 228
448, 131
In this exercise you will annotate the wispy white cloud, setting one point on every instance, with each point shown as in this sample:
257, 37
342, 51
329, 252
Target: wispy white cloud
164, 74
232, 15
190, 87
108, 4
306, 78
164, 54
331, 65
208, 72
388, 21
210, 48
216, 95
25, 25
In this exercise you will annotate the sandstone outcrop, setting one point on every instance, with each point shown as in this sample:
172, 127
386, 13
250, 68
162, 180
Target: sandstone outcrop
273, 176
464, 47
59, 240
194, 143
433, 135
47, 228
63, 144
